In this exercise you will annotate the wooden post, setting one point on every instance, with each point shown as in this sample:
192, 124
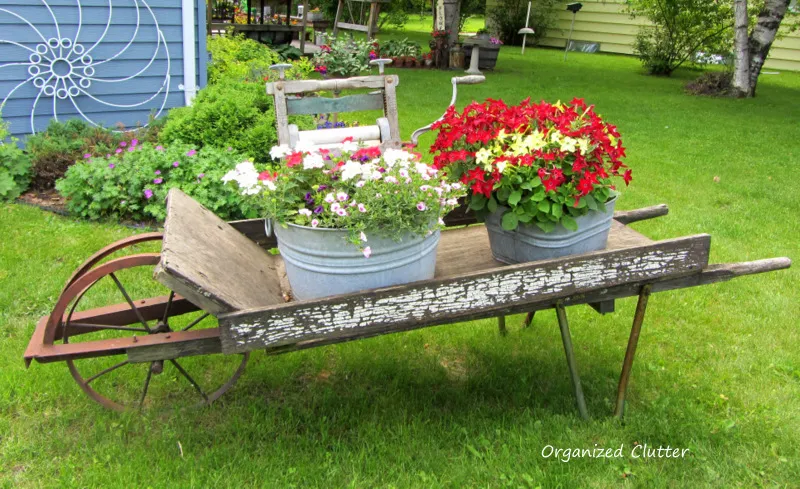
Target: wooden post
303, 32
633, 341
528, 319
261, 18
372, 18
288, 12
561, 313
336, 19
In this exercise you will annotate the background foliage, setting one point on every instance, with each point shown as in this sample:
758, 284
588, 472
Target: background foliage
15, 166
508, 17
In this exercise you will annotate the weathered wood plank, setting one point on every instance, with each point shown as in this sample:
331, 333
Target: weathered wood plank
301, 86
211, 264
325, 105
352, 27
712, 274
171, 351
462, 297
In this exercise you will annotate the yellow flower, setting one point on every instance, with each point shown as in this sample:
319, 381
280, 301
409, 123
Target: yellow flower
482, 156
568, 144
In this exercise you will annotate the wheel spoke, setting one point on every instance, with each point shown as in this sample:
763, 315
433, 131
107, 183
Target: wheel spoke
130, 302
103, 372
146, 385
165, 319
190, 379
106, 326
195, 322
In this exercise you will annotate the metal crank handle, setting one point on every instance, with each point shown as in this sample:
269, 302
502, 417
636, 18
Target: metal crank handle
456, 81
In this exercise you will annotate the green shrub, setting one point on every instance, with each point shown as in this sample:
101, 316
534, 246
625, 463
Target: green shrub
508, 17
15, 166
232, 114
133, 184
238, 58
63, 143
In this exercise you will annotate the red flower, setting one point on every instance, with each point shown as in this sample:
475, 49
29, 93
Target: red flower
627, 177
294, 159
265, 175
585, 186
550, 184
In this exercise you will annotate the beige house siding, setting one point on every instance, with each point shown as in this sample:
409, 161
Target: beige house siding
606, 22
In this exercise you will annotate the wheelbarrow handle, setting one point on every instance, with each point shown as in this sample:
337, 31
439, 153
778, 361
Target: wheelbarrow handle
456, 81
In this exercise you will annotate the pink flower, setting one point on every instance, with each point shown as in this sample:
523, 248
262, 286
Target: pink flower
191, 152
421, 206
122, 144
362, 208
201, 175
159, 148
118, 151
158, 180
134, 142
230, 148
341, 212
314, 223
304, 212
363, 236
158, 172
132, 148
175, 164
111, 165
367, 252
108, 155
87, 156
341, 196
148, 193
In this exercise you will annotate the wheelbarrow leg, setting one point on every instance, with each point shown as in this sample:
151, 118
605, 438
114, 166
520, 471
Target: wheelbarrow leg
633, 341
501, 325
528, 319
573, 367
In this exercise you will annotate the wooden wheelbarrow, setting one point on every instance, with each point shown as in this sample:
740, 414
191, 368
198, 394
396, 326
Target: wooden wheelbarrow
215, 269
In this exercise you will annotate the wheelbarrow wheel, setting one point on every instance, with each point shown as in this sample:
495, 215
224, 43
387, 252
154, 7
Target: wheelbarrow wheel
149, 308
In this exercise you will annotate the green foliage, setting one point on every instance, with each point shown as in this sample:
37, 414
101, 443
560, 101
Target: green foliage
134, 184
344, 58
15, 166
680, 29
508, 17
62, 143
235, 56
400, 47
232, 114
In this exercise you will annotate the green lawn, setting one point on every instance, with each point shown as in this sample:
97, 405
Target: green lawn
717, 370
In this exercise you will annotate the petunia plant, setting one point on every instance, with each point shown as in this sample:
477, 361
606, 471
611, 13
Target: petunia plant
359, 189
542, 164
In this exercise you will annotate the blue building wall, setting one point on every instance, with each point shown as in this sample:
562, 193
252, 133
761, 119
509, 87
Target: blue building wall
110, 62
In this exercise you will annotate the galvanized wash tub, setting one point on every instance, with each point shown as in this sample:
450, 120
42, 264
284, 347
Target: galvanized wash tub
529, 243
321, 262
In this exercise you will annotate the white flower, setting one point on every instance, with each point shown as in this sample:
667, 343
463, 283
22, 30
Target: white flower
390, 179
362, 208
393, 156
360, 183
425, 188
403, 173
363, 236
482, 156
421, 206
378, 195
367, 252
278, 152
335, 207
452, 201
456, 186
569, 144
441, 221
502, 166
304, 212
305, 146
269, 184
313, 160
351, 169
330, 198
246, 175
341, 196
314, 223
349, 147
341, 212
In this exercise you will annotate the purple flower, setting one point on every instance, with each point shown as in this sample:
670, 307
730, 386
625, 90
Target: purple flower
108, 155
148, 193
175, 164
381, 170
134, 142
191, 152
159, 148
322, 187
87, 156
318, 209
119, 150
122, 144
132, 148
111, 165
158, 180
158, 172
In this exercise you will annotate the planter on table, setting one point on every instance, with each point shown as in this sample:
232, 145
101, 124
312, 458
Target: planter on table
488, 52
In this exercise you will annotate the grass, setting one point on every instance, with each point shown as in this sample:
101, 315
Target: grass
717, 371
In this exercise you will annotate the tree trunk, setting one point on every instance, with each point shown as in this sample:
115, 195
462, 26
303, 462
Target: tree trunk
769, 20
741, 66
452, 18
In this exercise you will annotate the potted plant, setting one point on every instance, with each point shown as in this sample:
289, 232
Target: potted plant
542, 175
489, 49
352, 219
427, 59
314, 15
